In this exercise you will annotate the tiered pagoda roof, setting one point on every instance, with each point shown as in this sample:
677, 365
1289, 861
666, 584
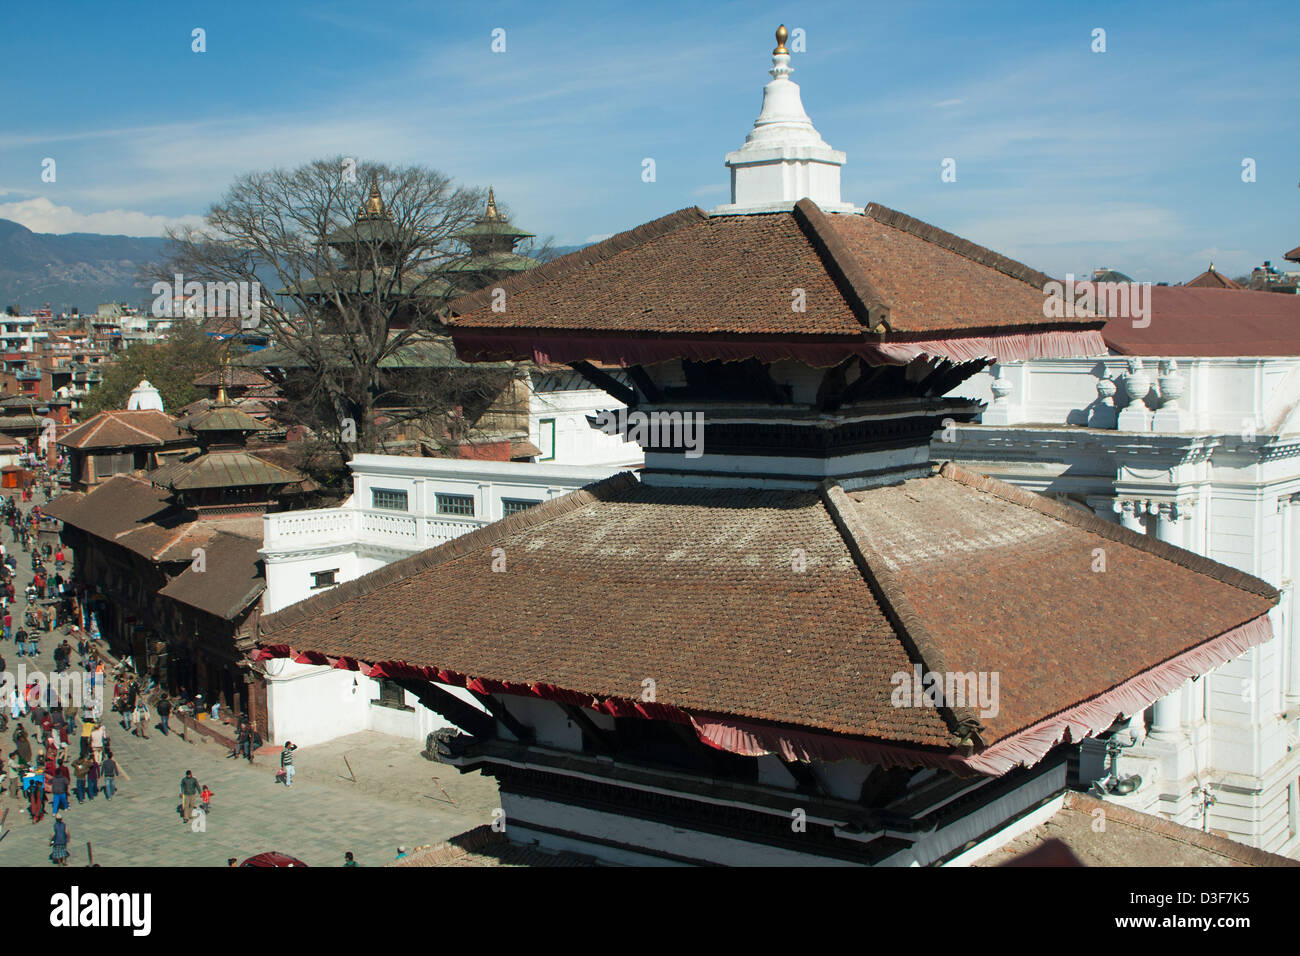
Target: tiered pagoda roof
491, 242
783, 586
1211, 278
948, 571
115, 428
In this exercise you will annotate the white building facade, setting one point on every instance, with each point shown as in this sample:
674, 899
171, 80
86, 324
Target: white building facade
559, 408
1203, 453
19, 333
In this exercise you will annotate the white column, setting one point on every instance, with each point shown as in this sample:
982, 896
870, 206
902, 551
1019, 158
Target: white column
1130, 515
1288, 603
1168, 717
1170, 522
1168, 713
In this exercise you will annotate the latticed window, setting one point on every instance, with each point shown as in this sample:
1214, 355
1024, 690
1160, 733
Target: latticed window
456, 505
388, 499
512, 506
391, 694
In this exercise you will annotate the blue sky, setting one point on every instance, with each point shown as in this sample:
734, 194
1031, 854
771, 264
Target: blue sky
1066, 159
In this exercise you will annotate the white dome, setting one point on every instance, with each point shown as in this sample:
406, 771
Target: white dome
144, 397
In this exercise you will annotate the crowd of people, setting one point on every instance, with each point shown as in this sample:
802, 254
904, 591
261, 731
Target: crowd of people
62, 749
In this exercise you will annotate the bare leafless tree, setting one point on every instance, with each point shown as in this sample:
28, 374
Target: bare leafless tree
358, 280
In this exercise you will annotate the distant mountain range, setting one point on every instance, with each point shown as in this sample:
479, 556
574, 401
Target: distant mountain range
80, 270
75, 270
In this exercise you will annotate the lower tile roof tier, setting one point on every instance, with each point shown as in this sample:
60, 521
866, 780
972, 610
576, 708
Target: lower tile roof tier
804, 623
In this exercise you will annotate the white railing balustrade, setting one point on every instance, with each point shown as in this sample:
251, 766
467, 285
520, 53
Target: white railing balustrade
306, 529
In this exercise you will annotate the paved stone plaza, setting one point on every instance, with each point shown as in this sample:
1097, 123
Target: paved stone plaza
394, 798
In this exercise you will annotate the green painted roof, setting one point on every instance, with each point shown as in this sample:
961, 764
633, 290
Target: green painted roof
494, 262
367, 231
418, 352
362, 282
491, 228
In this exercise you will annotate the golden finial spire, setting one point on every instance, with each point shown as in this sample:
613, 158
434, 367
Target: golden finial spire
492, 213
781, 34
222, 373
374, 204
1211, 266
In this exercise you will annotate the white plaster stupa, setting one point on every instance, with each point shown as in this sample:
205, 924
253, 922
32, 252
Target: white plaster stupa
784, 158
144, 397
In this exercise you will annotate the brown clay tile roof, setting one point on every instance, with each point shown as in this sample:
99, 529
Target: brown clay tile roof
112, 508
695, 589
1293, 255
1130, 838
1211, 278
936, 282
1001, 580
684, 273
129, 510
1196, 322
690, 273
122, 429
230, 581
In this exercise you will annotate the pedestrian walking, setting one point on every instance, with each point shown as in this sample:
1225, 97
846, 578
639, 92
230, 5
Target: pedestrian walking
141, 721
80, 767
92, 779
108, 771
13, 771
286, 762
164, 712
97, 742
59, 790
189, 791
34, 783
59, 842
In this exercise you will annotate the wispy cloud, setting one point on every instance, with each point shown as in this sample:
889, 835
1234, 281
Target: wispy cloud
41, 215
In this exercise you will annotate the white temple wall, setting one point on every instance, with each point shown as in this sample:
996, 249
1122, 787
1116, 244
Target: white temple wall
1230, 506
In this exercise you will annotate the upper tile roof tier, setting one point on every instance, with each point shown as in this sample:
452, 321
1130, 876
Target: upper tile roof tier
696, 589
121, 429
225, 418
799, 283
1211, 278
1187, 321
222, 469
1293, 255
